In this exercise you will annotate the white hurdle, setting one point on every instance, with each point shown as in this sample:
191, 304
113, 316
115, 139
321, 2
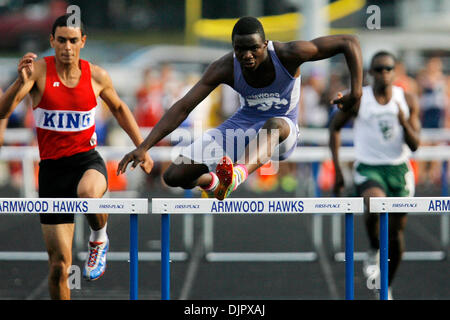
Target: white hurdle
133, 207
385, 206
255, 206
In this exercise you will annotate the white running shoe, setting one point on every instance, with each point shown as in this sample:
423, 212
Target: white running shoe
371, 265
390, 296
95, 265
376, 293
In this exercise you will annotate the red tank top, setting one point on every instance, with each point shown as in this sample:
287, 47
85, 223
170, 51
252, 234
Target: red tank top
65, 117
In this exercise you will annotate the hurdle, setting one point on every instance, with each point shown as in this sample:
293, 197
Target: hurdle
256, 206
27, 155
384, 207
425, 153
133, 207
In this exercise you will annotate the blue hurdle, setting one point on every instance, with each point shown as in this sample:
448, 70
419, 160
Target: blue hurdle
385, 206
133, 207
167, 206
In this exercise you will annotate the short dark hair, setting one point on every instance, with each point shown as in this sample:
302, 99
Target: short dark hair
382, 54
248, 25
62, 22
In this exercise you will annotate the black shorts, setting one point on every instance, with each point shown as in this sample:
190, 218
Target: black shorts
59, 179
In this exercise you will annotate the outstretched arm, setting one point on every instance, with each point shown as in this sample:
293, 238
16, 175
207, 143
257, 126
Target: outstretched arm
217, 73
120, 111
321, 48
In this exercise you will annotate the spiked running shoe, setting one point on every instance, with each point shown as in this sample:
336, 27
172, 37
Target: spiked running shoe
95, 265
227, 179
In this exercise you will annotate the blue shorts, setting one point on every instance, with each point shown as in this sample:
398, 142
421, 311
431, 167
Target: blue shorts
232, 137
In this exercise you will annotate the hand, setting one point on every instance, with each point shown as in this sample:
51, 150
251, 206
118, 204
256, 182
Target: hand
137, 156
147, 165
338, 187
347, 102
26, 66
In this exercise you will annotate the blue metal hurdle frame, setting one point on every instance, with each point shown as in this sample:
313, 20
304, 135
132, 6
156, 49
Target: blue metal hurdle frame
408, 255
385, 206
161, 206
133, 207
134, 253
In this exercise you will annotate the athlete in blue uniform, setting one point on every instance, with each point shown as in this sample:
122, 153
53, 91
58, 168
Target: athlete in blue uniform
266, 75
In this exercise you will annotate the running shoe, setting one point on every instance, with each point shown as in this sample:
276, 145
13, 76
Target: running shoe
227, 179
95, 264
376, 293
371, 264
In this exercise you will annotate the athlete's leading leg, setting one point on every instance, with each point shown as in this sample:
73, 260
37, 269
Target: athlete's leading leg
372, 220
371, 265
187, 175
257, 153
93, 185
397, 223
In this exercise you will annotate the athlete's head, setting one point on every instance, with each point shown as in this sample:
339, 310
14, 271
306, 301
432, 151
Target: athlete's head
249, 42
382, 68
67, 40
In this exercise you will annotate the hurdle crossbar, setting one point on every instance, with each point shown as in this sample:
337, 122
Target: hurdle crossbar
238, 206
133, 207
385, 206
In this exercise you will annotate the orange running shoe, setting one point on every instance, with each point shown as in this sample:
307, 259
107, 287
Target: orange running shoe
227, 180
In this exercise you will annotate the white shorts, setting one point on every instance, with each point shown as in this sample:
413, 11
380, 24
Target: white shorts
231, 139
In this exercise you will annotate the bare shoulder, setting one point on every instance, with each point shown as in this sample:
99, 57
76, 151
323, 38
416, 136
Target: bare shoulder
293, 53
220, 71
40, 69
99, 75
412, 100
290, 50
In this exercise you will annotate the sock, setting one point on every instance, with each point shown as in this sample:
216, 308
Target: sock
214, 183
98, 235
241, 173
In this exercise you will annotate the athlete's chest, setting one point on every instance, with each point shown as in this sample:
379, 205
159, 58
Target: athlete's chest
261, 78
59, 94
379, 120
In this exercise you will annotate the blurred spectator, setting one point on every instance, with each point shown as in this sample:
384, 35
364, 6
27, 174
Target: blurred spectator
403, 80
433, 90
103, 122
149, 96
433, 94
22, 117
18, 116
313, 110
230, 102
171, 86
200, 115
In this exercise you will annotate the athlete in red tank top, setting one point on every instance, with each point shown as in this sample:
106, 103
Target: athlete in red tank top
65, 117
64, 90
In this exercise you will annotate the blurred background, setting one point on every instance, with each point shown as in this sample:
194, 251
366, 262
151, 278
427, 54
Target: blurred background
156, 50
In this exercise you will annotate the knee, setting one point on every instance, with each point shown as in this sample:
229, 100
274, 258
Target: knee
177, 177
171, 177
395, 235
279, 125
90, 192
59, 269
